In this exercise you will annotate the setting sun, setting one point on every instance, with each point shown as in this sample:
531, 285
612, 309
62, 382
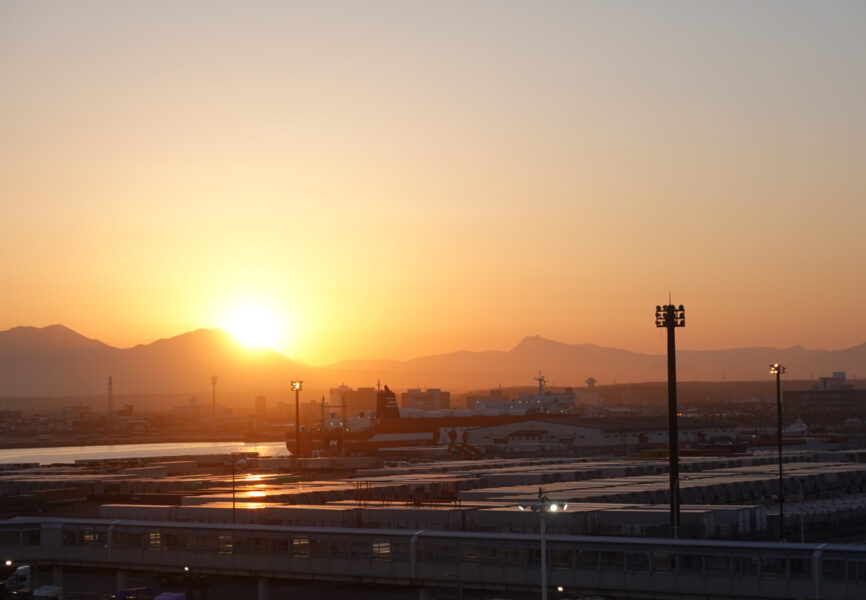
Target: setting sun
256, 327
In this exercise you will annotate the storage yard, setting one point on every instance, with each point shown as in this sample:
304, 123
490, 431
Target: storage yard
722, 497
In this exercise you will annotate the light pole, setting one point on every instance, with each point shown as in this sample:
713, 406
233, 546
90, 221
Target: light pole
544, 505
297, 386
802, 500
671, 317
235, 463
777, 370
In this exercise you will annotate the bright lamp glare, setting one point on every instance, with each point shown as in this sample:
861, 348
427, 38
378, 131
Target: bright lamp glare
554, 507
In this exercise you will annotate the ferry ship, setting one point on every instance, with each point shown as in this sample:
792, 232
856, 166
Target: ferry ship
389, 430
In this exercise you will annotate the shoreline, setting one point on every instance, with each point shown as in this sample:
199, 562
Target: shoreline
77, 442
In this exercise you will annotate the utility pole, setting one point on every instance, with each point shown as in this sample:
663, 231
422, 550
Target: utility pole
671, 317
324, 427
110, 400
213, 382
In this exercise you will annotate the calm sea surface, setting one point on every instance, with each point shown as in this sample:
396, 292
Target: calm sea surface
69, 454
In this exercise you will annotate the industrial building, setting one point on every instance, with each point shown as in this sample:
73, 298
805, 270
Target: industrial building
831, 402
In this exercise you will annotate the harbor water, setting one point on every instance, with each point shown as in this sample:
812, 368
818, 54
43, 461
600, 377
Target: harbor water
69, 454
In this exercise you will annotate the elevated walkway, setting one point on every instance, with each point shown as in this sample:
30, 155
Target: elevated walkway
611, 567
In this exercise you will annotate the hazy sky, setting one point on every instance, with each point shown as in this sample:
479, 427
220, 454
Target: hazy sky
404, 178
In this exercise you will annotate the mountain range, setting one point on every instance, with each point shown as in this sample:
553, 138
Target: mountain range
57, 361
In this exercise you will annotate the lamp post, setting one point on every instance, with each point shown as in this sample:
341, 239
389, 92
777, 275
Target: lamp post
297, 386
544, 505
235, 463
671, 317
802, 500
777, 370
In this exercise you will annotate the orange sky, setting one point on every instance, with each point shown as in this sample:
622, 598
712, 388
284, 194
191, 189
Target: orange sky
405, 178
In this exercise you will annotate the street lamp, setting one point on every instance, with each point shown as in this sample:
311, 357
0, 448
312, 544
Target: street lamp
543, 506
777, 370
671, 317
297, 386
240, 463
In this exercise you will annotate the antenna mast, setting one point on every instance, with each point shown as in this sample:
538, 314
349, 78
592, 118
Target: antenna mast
541, 381
110, 399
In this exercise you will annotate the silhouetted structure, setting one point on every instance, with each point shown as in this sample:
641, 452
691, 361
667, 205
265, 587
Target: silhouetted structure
110, 399
297, 386
430, 399
830, 403
213, 382
361, 399
777, 370
671, 317
386, 405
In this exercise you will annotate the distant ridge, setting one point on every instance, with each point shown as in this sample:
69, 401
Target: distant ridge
46, 339
571, 364
56, 360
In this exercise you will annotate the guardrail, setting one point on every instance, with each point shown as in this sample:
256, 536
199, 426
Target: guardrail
479, 560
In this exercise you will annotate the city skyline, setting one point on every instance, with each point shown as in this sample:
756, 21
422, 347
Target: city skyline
393, 180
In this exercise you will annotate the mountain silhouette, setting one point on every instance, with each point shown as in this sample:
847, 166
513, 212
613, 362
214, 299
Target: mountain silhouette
54, 338
571, 364
57, 361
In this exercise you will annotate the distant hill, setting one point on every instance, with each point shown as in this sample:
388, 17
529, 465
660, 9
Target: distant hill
54, 338
571, 364
56, 361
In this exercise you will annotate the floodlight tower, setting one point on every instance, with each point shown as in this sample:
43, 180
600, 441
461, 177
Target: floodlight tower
671, 317
297, 386
543, 506
777, 370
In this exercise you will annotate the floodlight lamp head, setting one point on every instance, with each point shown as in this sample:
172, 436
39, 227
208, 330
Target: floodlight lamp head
670, 315
297, 386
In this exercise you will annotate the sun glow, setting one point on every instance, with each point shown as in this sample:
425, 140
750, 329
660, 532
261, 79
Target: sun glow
256, 326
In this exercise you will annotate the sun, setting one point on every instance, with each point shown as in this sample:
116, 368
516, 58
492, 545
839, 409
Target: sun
256, 326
